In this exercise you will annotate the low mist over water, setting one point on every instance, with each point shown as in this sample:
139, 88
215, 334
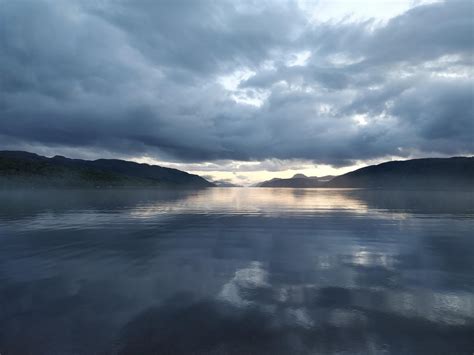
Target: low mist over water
236, 271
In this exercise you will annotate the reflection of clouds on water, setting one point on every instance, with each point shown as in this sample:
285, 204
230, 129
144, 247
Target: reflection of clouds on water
263, 271
290, 301
362, 257
251, 277
334, 324
313, 305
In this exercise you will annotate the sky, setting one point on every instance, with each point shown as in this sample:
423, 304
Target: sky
238, 91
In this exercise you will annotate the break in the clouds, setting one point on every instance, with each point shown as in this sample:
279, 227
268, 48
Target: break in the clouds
209, 81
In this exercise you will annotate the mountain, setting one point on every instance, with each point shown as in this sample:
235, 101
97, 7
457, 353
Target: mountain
19, 168
431, 173
298, 180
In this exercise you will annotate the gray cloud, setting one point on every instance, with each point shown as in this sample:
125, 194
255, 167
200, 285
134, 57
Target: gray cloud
133, 78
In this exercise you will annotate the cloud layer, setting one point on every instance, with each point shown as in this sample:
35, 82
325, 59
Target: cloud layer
210, 80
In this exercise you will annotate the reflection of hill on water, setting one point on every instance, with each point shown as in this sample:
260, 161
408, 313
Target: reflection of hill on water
146, 203
423, 202
27, 203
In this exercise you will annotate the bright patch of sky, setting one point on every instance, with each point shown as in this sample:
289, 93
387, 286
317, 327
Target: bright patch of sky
299, 59
231, 82
350, 10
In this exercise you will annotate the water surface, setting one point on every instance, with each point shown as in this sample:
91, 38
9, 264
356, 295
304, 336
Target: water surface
236, 271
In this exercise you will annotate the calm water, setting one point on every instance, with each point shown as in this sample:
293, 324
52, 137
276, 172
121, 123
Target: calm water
236, 271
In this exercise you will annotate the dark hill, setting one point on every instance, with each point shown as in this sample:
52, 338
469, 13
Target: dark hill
27, 169
297, 181
431, 173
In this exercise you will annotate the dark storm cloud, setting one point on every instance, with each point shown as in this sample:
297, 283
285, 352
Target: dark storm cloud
205, 36
138, 78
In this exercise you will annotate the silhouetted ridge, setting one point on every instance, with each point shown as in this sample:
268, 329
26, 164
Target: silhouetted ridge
19, 168
430, 173
297, 181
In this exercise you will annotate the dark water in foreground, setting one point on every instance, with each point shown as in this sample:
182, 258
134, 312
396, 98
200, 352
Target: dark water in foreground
236, 271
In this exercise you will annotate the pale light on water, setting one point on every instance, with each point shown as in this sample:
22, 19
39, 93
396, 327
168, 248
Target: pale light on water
236, 271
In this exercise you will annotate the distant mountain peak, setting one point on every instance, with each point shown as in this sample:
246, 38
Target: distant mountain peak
297, 181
